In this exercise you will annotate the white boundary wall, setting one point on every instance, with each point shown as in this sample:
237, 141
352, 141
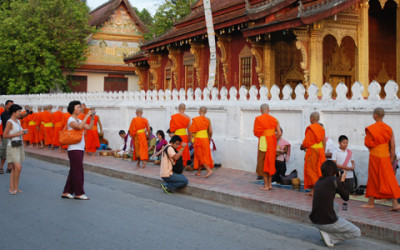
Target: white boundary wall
233, 118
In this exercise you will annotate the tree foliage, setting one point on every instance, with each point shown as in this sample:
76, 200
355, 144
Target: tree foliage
145, 16
167, 14
38, 39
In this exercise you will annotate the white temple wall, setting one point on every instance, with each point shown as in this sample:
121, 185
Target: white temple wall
232, 120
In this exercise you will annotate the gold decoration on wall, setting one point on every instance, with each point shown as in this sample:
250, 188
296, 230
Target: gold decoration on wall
224, 44
139, 73
257, 51
173, 55
195, 49
383, 76
302, 44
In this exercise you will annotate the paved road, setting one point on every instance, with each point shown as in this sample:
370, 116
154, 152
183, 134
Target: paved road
127, 215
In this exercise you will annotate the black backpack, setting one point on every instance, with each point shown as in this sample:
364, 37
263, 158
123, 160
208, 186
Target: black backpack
178, 167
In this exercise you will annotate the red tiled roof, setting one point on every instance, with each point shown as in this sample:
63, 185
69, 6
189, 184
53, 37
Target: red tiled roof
103, 12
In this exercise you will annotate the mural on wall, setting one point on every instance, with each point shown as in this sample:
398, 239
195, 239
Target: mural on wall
120, 23
110, 52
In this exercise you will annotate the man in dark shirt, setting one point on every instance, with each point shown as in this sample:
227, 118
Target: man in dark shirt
324, 211
5, 116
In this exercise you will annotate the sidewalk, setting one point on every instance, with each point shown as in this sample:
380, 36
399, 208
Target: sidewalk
238, 188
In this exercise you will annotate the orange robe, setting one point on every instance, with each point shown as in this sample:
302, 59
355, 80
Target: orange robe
1, 126
58, 126
138, 134
382, 183
33, 128
48, 127
65, 118
265, 125
24, 125
315, 154
92, 141
39, 124
178, 125
202, 151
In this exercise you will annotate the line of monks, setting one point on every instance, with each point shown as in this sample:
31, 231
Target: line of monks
379, 139
199, 131
44, 127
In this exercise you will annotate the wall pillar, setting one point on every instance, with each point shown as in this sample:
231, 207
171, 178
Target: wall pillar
269, 63
316, 56
363, 47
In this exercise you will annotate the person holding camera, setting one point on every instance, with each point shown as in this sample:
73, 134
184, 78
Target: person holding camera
172, 166
13, 132
332, 228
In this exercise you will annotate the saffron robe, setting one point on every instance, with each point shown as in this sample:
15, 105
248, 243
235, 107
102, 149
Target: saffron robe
48, 127
92, 141
138, 134
179, 124
265, 126
24, 125
58, 126
315, 154
202, 151
65, 118
39, 124
1, 126
382, 183
33, 128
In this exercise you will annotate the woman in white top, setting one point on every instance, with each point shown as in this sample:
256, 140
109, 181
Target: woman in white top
15, 148
75, 180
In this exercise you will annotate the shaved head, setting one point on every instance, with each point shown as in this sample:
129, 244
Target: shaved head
60, 108
139, 111
182, 107
314, 116
203, 109
264, 108
380, 112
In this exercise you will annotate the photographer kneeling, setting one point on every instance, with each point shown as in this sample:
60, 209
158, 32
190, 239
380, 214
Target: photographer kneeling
172, 166
333, 229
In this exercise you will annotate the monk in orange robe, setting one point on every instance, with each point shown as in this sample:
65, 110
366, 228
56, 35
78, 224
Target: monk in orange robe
179, 125
314, 145
1, 125
202, 133
92, 141
24, 124
268, 131
65, 118
139, 131
48, 126
58, 126
82, 115
32, 130
40, 125
382, 183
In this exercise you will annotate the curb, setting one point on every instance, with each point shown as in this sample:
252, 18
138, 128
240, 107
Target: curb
372, 230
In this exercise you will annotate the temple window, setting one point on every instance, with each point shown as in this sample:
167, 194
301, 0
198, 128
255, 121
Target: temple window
245, 58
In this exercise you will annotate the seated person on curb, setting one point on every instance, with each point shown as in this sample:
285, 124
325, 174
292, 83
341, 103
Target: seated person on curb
324, 211
159, 146
152, 142
126, 147
282, 157
343, 158
172, 166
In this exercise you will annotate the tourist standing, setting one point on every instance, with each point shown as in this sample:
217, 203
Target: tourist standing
75, 180
5, 115
13, 133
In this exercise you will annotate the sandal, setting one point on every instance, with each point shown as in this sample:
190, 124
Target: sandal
82, 197
68, 196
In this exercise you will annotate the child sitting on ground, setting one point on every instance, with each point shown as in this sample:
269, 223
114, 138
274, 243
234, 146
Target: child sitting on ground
343, 158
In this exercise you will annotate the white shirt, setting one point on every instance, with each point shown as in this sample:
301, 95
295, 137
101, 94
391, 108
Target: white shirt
128, 144
340, 156
80, 145
329, 147
166, 162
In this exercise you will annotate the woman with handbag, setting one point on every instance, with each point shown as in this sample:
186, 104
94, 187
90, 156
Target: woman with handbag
15, 149
76, 148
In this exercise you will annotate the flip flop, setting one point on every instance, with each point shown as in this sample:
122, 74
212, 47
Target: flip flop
82, 197
68, 196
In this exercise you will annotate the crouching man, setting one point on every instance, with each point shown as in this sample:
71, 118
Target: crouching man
172, 166
324, 211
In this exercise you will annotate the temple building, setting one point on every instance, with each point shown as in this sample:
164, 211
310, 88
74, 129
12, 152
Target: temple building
267, 42
119, 32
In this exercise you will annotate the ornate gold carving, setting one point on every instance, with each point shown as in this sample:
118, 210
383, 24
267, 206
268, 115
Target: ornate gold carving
195, 49
224, 45
302, 44
257, 51
155, 78
120, 22
173, 55
383, 76
139, 73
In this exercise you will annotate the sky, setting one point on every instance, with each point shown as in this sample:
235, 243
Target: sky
150, 5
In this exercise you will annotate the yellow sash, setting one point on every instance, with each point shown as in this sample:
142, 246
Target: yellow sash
181, 131
141, 131
201, 134
263, 139
32, 123
48, 125
318, 145
42, 123
381, 150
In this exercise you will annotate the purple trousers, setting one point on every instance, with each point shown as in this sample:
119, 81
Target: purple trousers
75, 178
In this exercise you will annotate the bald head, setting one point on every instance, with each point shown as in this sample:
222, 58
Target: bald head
314, 117
139, 112
379, 113
203, 110
60, 108
182, 107
264, 108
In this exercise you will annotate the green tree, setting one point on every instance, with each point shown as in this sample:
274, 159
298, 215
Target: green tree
166, 15
145, 16
38, 40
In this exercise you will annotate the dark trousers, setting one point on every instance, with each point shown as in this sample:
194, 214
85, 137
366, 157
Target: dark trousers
75, 178
280, 167
350, 185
